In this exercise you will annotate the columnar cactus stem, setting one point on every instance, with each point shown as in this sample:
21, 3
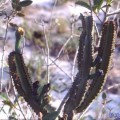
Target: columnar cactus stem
24, 88
22, 81
85, 59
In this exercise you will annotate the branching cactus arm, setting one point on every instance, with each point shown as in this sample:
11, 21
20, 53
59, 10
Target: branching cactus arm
105, 52
85, 58
82, 92
22, 81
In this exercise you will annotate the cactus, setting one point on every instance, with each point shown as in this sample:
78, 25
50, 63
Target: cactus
37, 100
105, 51
90, 69
85, 59
88, 82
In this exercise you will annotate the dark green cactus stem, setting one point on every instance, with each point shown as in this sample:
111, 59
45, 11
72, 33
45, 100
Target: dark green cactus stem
14, 75
22, 71
87, 60
22, 80
25, 92
80, 55
85, 52
18, 41
38, 98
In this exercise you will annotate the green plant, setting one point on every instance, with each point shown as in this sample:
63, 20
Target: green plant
92, 69
81, 93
